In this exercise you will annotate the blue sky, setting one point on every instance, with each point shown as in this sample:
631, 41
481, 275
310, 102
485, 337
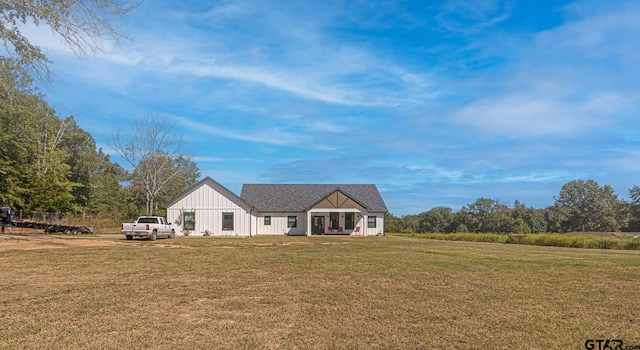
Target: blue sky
436, 102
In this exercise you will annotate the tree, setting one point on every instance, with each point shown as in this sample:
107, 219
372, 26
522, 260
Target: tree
82, 24
528, 220
555, 217
82, 160
634, 194
536, 220
189, 175
51, 164
634, 209
438, 219
411, 223
33, 165
392, 223
487, 215
520, 224
155, 152
465, 221
105, 187
589, 207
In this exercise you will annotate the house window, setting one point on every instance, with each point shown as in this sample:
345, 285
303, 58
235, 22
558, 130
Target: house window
267, 220
189, 220
348, 221
371, 222
227, 221
333, 218
292, 221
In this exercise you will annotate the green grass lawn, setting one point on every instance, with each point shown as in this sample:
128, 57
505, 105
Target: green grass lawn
315, 292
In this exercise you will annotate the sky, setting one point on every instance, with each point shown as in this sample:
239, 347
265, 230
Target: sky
438, 103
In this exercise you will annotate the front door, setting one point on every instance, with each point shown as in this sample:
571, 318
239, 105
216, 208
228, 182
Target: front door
317, 225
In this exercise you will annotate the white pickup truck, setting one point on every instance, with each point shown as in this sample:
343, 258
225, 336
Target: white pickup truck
150, 227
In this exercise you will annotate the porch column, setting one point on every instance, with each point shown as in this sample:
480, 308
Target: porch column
308, 223
365, 222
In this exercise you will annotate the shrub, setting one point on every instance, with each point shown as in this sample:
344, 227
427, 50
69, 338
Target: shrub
462, 228
603, 243
631, 244
515, 239
543, 239
472, 237
555, 240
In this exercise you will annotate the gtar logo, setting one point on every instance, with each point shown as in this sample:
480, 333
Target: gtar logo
603, 344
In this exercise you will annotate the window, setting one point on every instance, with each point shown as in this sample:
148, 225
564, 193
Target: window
292, 221
333, 218
147, 220
348, 221
267, 220
371, 222
189, 220
227, 221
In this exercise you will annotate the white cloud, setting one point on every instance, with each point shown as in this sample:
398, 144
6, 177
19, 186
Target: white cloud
524, 115
205, 159
467, 16
326, 126
225, 11
576, 78
431, 173
536, 177
287, 52
289, 82
602, 25
272, 136
325, 148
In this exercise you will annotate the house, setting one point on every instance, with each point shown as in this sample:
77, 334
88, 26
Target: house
278, 209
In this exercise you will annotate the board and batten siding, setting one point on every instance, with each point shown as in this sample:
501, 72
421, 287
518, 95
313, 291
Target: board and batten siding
279, 224
379, 229
209, 205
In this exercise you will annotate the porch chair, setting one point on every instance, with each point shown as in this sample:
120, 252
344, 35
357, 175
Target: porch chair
357, 230
329, 230
340, 230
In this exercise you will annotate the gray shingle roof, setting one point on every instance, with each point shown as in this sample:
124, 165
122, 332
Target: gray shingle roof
300, 197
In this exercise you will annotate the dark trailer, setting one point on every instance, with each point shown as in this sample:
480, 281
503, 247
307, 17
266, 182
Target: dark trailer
6, 219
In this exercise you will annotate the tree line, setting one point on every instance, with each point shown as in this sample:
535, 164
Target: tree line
51, 164
581, 206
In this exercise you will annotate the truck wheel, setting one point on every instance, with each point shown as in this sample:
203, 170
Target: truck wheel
129, 237
172, 234
153, 236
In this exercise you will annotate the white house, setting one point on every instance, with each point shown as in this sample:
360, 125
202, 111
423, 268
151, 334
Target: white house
270, 209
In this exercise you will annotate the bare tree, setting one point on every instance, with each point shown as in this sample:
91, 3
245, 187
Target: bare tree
155, 153
83, 24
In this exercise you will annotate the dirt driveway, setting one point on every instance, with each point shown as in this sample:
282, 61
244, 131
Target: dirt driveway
23, 240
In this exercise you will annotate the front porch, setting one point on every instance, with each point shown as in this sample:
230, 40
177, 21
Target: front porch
336, 221
337, 213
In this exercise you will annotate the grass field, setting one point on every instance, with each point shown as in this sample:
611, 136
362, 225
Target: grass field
567, 240
318, 292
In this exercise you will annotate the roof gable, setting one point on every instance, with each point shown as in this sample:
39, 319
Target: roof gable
216, 186
337, 199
